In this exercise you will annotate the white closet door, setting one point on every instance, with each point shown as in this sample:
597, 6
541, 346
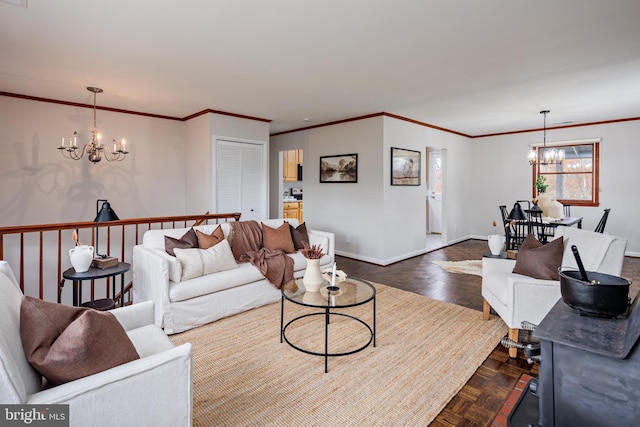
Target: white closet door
240, 179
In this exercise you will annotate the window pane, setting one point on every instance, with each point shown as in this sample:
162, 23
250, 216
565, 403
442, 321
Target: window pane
577, 158
572, 181
574, 186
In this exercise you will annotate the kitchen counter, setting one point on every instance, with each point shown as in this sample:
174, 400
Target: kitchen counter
292, 209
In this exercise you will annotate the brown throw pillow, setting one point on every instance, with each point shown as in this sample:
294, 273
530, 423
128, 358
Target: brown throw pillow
299, 235
187, 241
540, 261
65, 343
205, 241
278, 238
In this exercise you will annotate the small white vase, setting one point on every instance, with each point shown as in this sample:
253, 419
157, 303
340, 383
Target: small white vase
312, 278
81, 257
495, 244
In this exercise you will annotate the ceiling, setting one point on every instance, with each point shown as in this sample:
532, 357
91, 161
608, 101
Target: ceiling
475, 67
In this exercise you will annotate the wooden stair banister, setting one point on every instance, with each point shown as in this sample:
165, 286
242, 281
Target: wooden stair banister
35, 252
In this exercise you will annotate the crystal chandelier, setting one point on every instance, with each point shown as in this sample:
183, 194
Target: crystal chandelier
95, 149
550, 156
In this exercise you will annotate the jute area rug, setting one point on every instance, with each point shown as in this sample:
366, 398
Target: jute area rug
466, 267
426, 351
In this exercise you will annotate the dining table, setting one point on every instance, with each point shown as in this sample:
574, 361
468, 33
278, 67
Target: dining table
567, 221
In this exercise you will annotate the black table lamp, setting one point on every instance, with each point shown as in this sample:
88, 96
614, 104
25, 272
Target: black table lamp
517, 213
104, 214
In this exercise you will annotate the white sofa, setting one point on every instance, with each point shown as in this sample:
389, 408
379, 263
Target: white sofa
153, 390
517, 298
182, 305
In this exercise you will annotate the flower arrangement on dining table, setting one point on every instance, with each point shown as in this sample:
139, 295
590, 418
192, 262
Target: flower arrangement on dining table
541, 184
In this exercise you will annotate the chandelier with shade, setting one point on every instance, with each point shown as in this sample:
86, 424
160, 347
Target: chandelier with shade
550, 156
95, 150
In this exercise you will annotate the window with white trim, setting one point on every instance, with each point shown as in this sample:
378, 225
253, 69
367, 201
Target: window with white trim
576, 180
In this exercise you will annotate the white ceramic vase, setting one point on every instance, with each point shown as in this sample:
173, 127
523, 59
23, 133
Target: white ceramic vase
544, 202
81, 257
495, 244
312, 278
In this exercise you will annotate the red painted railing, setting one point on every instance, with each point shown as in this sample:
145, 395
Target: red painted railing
38, 254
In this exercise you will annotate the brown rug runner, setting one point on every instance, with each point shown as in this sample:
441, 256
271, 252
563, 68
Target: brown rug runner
426, 351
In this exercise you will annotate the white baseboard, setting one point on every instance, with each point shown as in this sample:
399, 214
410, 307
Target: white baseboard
398, 258
402, 257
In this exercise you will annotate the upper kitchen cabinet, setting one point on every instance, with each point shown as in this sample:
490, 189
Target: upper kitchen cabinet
291, 160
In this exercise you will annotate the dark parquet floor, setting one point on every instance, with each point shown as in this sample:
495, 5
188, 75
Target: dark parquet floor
481, 398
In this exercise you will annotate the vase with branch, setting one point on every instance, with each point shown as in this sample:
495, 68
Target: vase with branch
495, 241
80, 255
312, 278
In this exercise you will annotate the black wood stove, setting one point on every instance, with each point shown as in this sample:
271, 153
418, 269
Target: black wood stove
589, 372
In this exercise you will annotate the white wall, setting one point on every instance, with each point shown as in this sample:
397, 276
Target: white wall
199, 167
405, 207
502, 175
39, 186
168, 172
385, 223
353, 209
348, 209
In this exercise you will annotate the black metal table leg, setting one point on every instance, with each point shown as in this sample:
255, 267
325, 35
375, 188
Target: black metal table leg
77, 292
281, 318
60, 291
121, 290
326, 342
374, 321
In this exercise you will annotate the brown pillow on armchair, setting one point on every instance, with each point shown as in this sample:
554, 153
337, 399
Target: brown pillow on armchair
539, 261
65, 343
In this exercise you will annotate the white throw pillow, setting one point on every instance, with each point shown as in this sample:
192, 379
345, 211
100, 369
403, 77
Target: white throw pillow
198, 262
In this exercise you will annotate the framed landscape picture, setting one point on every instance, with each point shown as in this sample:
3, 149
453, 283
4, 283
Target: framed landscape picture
342, 168
405, 167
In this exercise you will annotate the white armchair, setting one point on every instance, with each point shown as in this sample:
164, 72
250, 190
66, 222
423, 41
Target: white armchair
153, 390
517, 298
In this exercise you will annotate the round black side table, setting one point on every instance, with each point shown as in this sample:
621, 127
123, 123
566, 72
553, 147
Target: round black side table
96, 273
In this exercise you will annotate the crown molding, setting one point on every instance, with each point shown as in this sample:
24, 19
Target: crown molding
137, 113
368, 116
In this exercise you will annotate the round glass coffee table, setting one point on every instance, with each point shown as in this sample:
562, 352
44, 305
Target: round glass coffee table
349, 293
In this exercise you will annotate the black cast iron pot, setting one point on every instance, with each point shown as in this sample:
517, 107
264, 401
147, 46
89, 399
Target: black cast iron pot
602, 295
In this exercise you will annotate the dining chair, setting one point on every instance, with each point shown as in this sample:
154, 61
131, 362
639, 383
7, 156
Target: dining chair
539, 229
506, 224
566, 210
603, 221
519, 225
